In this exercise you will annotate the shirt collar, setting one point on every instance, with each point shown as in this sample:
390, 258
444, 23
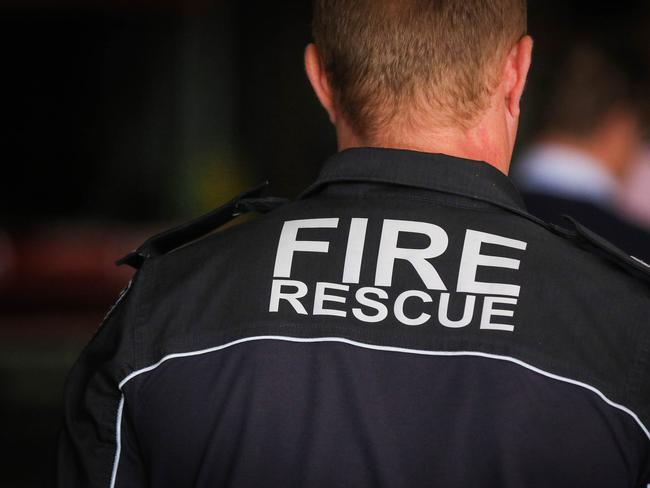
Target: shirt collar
437, 172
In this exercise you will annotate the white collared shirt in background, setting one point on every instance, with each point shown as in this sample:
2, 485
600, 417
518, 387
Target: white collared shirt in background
561, 171
635, 198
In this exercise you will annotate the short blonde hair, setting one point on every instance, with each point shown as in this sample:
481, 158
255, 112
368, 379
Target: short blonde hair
391, 59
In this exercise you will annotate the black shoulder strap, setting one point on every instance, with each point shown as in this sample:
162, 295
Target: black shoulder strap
597, 244
170, 239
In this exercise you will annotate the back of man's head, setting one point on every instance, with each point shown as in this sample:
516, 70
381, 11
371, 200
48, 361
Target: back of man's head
596, 103
590, 84
393, 60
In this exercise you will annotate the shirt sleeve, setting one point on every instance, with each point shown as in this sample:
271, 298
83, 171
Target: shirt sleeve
88, 444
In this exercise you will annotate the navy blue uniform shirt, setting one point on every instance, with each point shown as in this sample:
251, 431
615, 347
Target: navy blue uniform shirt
404, 323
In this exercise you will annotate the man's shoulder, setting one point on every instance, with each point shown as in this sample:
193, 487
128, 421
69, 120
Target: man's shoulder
575, 280
629, 237
228, 253
570, 244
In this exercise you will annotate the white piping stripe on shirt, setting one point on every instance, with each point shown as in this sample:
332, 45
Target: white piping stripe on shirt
118, 440
365, 346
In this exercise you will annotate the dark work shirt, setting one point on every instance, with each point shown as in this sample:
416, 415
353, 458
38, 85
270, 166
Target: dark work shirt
404, 323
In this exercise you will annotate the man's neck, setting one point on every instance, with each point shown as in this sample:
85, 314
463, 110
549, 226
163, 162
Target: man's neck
477, 143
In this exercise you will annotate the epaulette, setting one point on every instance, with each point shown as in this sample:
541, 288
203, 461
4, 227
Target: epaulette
168, 240
596, 244
591, 242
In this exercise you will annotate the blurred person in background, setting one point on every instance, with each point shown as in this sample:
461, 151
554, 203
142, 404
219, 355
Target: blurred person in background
634, 198
592, 134
404, 323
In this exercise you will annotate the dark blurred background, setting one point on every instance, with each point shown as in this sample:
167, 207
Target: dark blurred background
120, 118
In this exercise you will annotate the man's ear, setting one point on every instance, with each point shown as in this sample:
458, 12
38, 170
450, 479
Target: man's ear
319, 82
515, 74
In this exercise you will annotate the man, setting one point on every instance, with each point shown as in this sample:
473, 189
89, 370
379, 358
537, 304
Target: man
592, 134
404, 323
